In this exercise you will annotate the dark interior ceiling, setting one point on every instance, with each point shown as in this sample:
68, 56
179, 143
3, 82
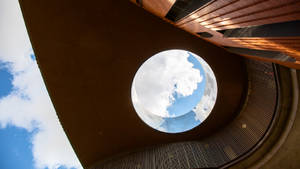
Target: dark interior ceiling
88, 54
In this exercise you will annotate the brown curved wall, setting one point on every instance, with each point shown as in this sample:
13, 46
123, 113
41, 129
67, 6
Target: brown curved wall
88, 54
224, 146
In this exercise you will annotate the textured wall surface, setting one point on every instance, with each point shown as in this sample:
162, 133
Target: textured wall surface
237, 138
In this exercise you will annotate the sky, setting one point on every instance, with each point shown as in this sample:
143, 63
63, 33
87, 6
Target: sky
31, 136
182, 105
170, 91
164, 79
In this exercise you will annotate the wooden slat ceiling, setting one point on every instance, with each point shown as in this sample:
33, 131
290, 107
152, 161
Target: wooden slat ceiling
217, 15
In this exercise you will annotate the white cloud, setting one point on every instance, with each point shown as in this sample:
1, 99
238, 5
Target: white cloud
203, 109
156, 79
208, 100
29, 105
148, 117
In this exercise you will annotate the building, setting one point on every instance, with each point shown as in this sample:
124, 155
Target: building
258, 29
88, 53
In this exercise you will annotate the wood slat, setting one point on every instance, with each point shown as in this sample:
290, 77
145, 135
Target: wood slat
157, 7
230, 14
272, 15
288, 46
217, 37
233, 14
206, 10
232, 8
230, 11
249, 9
262, 21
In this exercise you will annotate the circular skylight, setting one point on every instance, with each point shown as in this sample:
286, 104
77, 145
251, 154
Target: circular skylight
174, 91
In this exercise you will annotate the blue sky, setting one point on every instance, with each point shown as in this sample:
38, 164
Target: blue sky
168, 90
181, 123
30, 132
15, 148
5, 79
183, 105
15, 142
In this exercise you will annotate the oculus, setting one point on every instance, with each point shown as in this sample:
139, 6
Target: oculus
174, 91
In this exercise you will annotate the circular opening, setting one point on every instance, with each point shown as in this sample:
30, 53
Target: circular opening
174, 91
